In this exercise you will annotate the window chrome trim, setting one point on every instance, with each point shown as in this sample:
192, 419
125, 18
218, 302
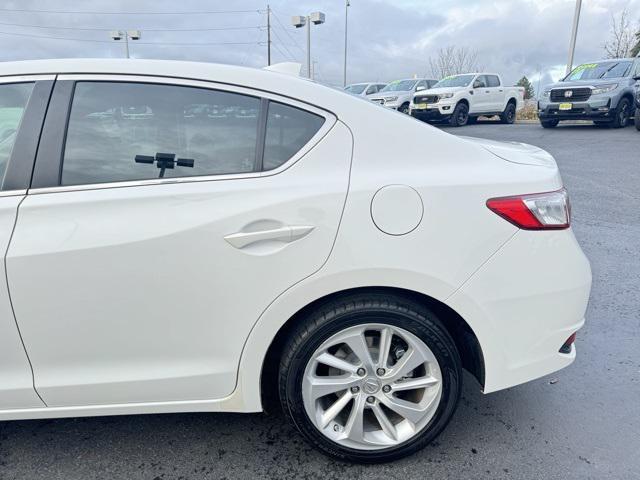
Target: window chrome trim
327, 126
26, 78
12, 193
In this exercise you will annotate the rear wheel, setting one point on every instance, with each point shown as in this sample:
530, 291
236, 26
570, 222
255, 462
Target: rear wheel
404, 108
549, 123
460, 115
370, 378
623, 114
509, 114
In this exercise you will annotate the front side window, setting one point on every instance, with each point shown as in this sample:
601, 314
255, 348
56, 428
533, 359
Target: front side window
13, 102
116, 131
288, 130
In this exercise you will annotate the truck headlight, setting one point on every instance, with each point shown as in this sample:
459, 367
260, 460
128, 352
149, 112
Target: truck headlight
604, 89
546, 93
390, 99
445, 95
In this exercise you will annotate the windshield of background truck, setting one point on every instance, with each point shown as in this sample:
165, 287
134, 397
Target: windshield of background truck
455, 81
399, 86
595, 71
356, 89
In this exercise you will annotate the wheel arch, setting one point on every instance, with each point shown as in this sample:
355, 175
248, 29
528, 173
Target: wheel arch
464, 337
512, 100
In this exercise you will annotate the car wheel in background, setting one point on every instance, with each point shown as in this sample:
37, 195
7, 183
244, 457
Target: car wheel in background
622, 115
550, 123
404, 108
509, 114
637, 118
370, 377
460, 115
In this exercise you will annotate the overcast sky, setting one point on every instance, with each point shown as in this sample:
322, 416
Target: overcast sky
388, 39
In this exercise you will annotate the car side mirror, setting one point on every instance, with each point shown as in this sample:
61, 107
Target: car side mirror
637, 78
477, 84
420, 88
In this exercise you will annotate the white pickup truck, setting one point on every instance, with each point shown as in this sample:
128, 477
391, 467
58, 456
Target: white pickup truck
461, 99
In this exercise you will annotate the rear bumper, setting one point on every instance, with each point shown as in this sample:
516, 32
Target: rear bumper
592, 110
524, 303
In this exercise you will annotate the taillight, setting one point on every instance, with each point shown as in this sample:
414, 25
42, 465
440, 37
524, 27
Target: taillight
537, 211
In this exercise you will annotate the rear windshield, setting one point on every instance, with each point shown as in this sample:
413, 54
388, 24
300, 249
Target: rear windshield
356, 89
593, 71
399, 86
455, 81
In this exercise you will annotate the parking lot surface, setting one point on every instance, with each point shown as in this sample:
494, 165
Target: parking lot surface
580, 423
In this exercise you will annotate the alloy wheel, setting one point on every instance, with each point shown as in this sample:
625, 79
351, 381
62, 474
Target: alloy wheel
372, 386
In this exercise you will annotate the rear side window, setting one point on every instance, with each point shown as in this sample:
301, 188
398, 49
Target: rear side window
116, 131
493, 81
288, 130
13, 102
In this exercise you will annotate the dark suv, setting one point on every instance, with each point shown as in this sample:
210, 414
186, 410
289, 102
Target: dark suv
602, 92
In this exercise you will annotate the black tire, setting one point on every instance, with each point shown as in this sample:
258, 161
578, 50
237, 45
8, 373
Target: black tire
623, 114
509, 114
404, 108
460, 115
637, 119
356, 309
549, 123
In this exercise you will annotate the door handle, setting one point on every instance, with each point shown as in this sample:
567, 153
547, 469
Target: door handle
286, 234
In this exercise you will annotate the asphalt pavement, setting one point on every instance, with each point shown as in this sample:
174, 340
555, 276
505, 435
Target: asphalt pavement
580, 423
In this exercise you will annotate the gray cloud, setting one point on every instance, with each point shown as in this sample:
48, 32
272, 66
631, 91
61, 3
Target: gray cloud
387, 39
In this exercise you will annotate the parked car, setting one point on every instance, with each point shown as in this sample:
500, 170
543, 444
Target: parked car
461, 99
364, 89
397, 94
599, 91
637, 115
176, 262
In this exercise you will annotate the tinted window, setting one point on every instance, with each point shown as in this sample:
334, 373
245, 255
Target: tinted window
482, 81
288, 130
13, 101
493, 81
356, 89
372, 89
112, 123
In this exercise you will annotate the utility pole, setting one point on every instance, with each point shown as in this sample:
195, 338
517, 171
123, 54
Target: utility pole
574, 34
346, 24
268, 35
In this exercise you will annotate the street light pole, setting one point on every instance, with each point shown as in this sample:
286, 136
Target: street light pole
268, 35
574, 34
317, 18
346, 24
126, 35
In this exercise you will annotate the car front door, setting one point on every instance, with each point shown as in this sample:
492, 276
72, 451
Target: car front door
22, 105
482, 95
159, 225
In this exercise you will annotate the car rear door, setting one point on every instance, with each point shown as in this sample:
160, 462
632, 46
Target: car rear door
497, 95
164, 216
23, 101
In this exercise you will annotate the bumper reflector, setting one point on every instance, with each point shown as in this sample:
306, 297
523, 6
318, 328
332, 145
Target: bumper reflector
566, 347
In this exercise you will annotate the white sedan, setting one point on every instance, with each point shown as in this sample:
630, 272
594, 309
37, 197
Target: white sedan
194, 237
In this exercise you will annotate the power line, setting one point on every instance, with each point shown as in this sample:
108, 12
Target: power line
295, 43
86, 12
98, 29
137, 42
284, 45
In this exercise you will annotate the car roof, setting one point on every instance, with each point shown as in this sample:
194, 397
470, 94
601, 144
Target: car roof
283, 84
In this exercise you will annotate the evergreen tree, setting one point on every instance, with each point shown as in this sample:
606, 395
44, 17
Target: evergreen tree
635, 51
528, 88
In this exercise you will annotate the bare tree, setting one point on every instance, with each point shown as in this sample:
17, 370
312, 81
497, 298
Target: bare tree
621, 36
452, 60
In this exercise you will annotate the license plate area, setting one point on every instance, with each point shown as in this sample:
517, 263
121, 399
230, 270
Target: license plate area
565, 106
